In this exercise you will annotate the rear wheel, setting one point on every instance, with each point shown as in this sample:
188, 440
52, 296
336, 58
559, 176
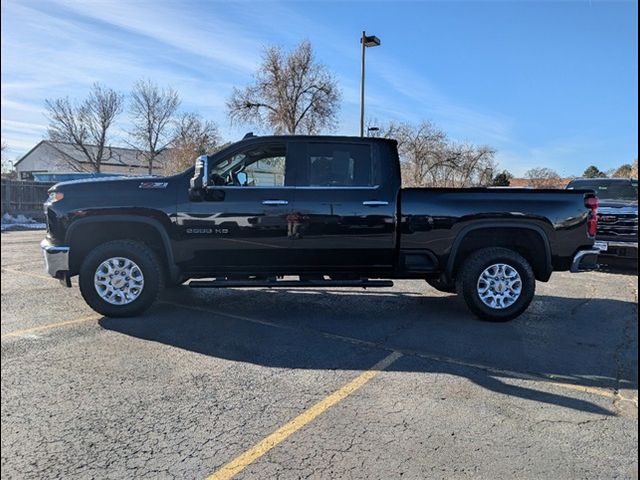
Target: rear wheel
121, 278
497, 284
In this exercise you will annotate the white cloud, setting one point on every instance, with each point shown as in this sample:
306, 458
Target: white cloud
23, 126
459, 120
558, 154
210, 37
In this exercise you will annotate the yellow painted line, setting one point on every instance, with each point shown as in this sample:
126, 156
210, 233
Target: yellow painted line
547, 378
239, 463
50, 326
29, 274
622, 398
229, 315
603, 392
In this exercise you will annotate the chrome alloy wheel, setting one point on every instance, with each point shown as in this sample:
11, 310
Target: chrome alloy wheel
499, 286
118, 281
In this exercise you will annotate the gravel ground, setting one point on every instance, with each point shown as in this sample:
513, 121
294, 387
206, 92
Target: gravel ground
208, 374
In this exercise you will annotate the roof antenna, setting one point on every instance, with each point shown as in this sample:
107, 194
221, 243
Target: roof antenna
248, 135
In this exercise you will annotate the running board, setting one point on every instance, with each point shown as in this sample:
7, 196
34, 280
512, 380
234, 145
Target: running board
289, 283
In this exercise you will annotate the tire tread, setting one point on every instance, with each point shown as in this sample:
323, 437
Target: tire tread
468, 276
152, 270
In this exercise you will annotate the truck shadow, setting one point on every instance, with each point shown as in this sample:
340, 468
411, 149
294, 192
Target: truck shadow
577, 341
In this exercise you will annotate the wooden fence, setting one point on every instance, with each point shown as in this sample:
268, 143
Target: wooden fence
23, 197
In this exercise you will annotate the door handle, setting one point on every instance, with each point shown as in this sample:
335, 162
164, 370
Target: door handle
375, 203
275, 202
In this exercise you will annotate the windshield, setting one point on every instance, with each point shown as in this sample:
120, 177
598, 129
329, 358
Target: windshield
612, 190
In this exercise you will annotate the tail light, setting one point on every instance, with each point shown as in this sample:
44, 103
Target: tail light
592, 224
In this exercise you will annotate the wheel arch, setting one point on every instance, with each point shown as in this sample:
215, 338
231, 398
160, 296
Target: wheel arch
85, 234
531, 241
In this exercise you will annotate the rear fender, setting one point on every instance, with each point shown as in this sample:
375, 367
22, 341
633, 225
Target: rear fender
542, 274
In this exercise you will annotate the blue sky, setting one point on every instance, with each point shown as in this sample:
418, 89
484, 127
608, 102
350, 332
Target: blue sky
546, 84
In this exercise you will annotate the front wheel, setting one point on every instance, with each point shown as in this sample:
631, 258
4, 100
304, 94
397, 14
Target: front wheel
497, 284
121, 278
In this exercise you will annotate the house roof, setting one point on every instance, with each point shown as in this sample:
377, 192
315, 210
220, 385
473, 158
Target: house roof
119, 156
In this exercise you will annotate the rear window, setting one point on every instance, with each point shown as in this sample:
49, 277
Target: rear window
612, 190
339, 165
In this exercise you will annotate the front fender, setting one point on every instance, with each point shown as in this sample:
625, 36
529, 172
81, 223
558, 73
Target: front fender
156, 224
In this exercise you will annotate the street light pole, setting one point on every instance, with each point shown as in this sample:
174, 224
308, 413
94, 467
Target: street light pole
367, 41
362, 40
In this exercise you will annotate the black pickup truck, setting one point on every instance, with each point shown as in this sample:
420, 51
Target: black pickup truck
299, 211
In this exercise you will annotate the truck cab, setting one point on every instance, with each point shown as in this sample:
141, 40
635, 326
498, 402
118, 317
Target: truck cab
323, 204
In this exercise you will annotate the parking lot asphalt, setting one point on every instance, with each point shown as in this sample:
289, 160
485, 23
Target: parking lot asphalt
398, 382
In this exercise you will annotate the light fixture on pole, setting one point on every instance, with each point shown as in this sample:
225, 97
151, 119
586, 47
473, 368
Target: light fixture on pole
366, 41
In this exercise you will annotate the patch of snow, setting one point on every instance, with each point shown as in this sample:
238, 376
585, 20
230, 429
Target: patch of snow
6, 218
22, 226
20, 222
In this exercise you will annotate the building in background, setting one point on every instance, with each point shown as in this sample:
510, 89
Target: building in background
49, 159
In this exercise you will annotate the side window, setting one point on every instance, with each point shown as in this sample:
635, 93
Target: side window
340, 165
265, 166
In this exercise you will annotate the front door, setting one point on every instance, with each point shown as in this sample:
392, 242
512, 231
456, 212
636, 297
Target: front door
241, 223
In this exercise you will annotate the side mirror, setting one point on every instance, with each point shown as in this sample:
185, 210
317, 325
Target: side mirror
242, 178
199, 181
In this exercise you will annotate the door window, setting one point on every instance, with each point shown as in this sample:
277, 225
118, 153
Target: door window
267, 172
339, 165
265, 166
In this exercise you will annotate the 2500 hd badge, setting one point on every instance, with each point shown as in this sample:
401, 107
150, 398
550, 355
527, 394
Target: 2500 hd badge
222, 231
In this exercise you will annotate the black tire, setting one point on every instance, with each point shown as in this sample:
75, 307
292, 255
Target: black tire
442, 286
142, 256
472, 268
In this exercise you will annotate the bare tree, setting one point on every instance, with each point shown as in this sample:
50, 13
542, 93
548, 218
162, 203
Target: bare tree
152, 111
627, 170
469, 165
7, 165
623, 171
291, 93
429, 158
419, 147
85, 125
543, 178
192, 136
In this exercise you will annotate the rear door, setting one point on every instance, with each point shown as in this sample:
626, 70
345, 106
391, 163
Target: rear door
343, 216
